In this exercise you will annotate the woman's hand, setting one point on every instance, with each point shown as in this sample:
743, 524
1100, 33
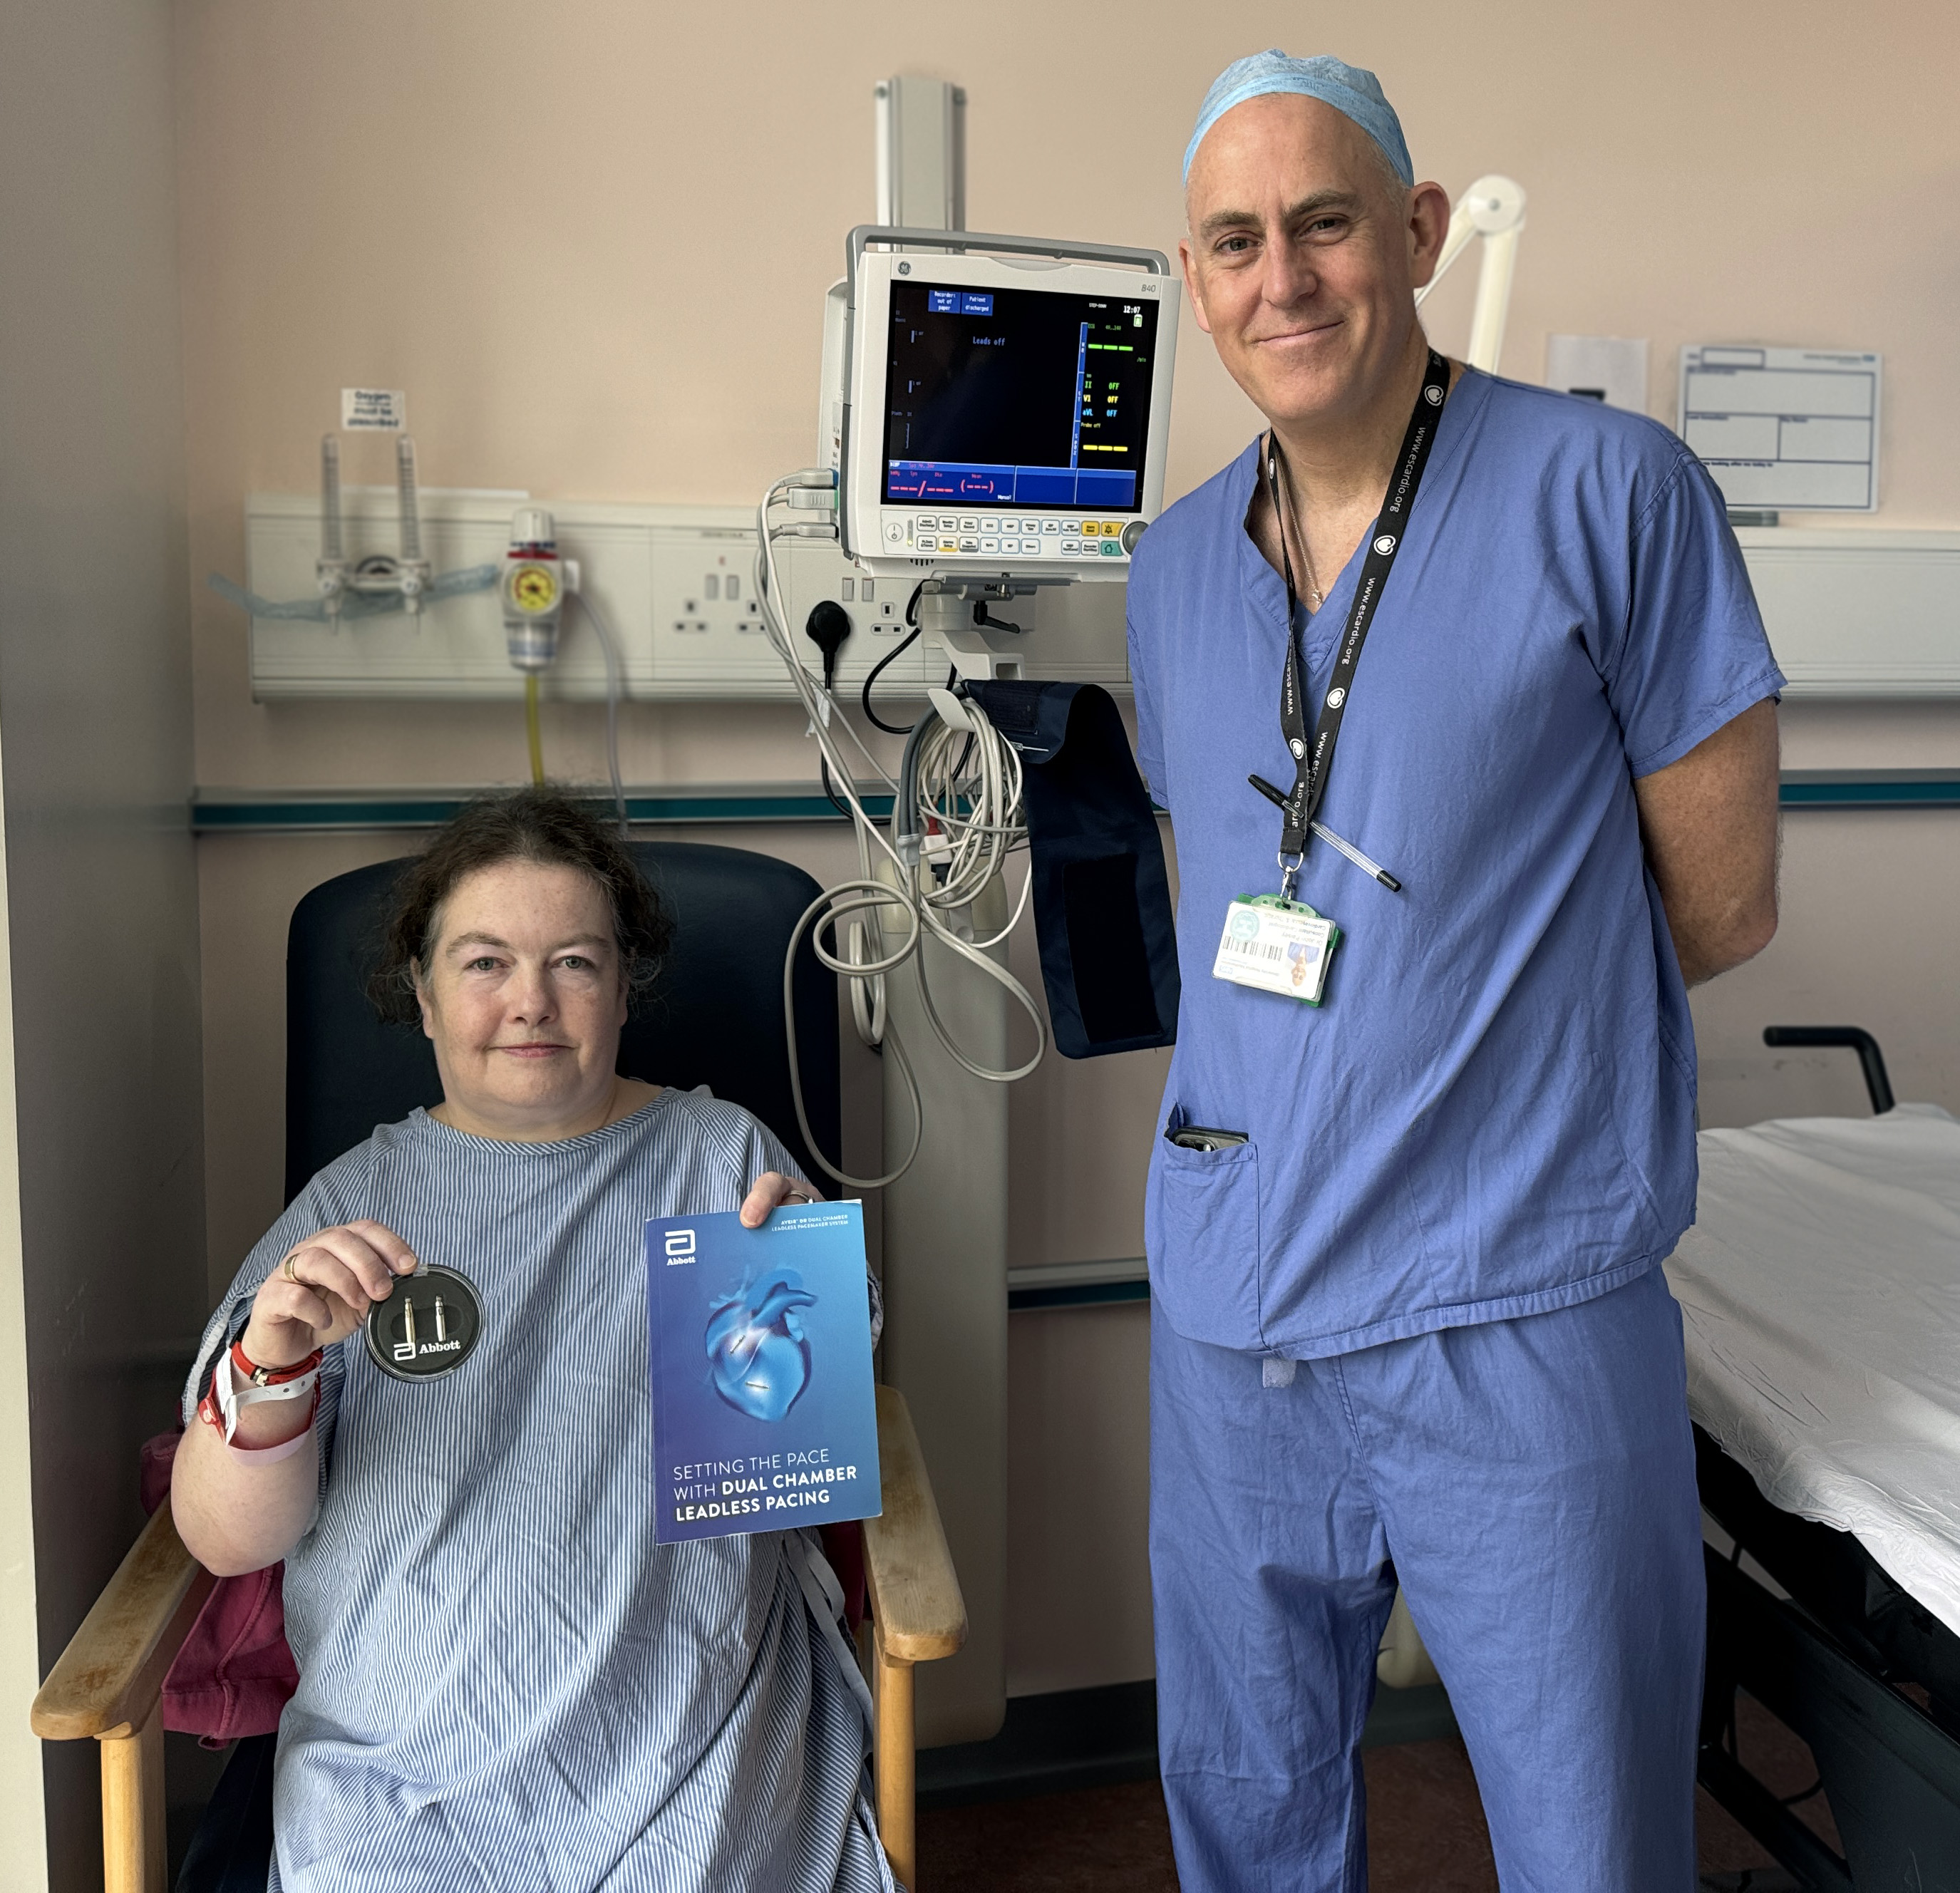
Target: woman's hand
771, 1190
322, 1289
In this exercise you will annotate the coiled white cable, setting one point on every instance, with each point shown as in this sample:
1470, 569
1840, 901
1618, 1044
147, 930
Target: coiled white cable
968, 804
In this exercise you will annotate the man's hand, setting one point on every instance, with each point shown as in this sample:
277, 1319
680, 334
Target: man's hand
1709, 824
770, 1191
321, 1291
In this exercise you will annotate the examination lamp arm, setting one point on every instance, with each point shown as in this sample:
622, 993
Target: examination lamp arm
1492, 208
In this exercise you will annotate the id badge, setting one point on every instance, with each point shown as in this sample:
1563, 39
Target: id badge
1276, 945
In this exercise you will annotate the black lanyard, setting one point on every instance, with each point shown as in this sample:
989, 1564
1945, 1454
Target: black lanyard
1312, 766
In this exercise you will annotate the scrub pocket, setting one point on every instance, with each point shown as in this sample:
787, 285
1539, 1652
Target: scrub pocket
1201, 1236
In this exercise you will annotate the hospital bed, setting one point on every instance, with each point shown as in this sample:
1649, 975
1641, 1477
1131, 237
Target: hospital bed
1820, 1291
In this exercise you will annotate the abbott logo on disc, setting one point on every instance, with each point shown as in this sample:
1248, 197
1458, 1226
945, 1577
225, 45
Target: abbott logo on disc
427, 1327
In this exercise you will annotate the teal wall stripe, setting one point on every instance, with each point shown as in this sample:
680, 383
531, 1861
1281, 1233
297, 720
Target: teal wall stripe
1912, 792
1076, 1295
324, 813
293, 812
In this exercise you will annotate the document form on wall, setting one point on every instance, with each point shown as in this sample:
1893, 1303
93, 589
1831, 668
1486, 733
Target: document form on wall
1785, 429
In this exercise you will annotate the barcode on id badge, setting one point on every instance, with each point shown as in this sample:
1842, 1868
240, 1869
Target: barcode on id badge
1273, 950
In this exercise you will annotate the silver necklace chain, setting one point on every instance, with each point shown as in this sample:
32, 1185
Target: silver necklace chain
1292, 518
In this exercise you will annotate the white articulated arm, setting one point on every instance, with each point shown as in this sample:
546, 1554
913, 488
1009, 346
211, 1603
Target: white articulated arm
1492, 208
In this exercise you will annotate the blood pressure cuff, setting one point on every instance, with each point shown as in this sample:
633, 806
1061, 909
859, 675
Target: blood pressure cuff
1102, 899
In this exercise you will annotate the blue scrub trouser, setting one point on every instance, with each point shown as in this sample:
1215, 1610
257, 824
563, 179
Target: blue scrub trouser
1533, 1482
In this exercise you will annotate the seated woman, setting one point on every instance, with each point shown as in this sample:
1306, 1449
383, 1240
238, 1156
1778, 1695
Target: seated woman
504, 1682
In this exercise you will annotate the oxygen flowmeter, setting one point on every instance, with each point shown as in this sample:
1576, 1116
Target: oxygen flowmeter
533, 588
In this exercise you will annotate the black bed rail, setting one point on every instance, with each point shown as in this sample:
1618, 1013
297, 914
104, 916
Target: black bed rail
1853, 1037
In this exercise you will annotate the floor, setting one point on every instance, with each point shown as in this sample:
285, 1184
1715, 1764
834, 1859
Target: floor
1425, 1832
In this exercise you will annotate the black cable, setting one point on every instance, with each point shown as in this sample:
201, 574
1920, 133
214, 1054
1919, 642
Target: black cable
835, 801
877, 670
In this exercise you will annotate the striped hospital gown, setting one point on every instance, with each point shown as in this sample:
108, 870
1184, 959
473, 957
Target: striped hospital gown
504, 1683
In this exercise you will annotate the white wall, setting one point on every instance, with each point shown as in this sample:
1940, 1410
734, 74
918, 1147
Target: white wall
95, 758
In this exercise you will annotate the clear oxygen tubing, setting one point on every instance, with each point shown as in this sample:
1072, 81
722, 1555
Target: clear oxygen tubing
531, 735
963, 781
614, 686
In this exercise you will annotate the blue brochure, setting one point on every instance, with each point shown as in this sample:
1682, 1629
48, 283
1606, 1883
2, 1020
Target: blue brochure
760, 1349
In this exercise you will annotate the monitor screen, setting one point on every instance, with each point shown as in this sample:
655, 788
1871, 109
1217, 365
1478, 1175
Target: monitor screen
1025, 397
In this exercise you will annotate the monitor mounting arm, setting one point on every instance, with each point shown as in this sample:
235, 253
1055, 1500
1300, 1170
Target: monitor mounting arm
957, 611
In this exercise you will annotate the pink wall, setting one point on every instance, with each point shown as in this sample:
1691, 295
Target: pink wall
591, 241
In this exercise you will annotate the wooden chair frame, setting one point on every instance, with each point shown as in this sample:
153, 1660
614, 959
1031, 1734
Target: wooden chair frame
108, 1683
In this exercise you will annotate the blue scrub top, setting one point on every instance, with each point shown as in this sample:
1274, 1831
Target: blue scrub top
1494, 1112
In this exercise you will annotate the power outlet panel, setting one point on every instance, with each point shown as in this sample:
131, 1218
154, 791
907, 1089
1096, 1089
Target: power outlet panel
676, 585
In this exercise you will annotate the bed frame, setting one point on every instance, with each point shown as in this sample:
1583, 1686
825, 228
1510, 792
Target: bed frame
1865, 1673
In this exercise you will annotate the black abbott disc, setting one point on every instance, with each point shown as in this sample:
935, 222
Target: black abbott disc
427, 1327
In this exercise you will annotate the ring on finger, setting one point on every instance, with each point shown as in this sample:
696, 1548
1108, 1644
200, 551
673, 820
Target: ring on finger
286, 1269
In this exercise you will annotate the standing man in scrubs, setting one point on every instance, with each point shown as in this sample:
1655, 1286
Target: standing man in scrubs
1409, 1324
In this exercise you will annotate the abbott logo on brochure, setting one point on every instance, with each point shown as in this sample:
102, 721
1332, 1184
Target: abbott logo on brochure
680, 1243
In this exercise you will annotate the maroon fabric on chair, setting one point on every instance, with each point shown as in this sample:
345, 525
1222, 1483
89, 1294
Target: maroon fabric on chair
234, 1673
843, 1546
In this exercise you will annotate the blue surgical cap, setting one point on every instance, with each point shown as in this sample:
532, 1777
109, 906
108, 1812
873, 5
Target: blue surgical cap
1347, 88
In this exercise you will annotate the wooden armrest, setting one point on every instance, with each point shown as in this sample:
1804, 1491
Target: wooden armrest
916, 1596
110, 1676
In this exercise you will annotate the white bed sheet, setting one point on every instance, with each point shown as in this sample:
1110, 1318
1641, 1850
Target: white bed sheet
1821, 1289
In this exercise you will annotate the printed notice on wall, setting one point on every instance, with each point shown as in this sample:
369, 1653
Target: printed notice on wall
1785, 429
373, 410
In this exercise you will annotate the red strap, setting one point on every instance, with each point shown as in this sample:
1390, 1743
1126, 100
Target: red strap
272, 1377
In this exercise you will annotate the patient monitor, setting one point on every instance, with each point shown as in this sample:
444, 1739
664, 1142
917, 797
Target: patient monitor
996, 409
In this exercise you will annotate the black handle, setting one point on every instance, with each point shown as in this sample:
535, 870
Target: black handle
1853, 1037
